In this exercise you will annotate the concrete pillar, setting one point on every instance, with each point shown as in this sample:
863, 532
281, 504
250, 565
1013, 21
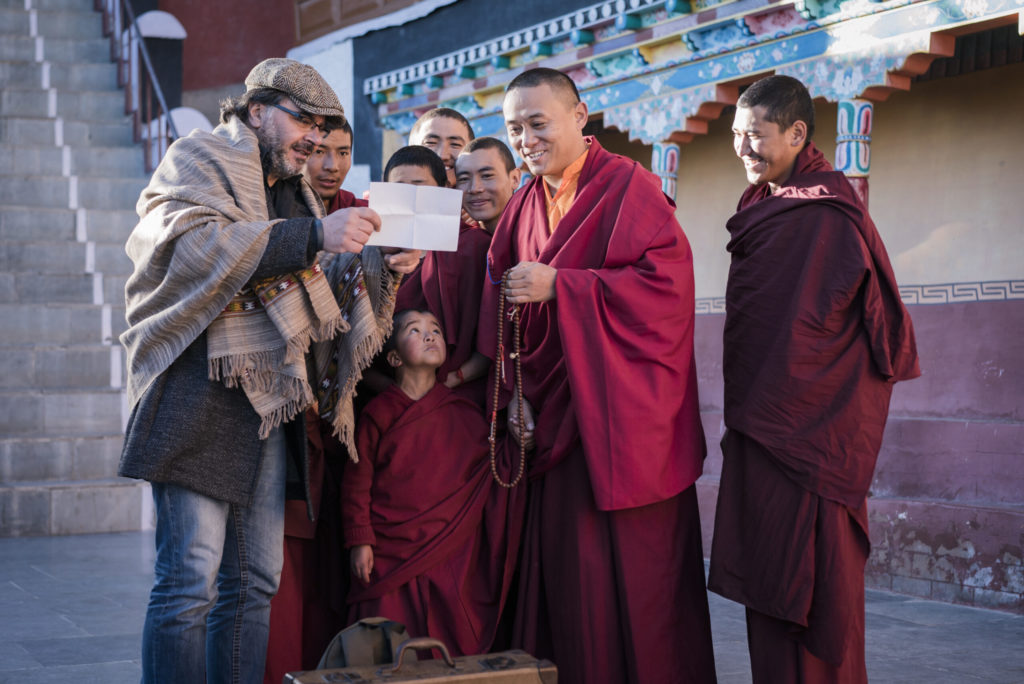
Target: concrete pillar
665, 164
853, 143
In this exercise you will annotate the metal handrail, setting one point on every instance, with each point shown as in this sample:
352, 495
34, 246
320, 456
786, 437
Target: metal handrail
124, 50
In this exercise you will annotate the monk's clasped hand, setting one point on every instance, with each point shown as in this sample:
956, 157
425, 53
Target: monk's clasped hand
530, 281
522, 430
402, 260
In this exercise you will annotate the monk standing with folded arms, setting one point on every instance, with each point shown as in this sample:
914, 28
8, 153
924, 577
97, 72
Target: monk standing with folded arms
815, 338
612, 575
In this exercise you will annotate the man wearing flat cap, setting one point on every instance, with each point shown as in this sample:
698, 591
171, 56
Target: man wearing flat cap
246, 307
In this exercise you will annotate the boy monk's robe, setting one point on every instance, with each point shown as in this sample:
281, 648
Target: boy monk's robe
448, 284
444, 534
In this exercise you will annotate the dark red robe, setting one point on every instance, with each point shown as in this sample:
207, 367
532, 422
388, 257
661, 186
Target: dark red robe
345, 200
444, 535
309, 608
449, 285
612, 581
815, 338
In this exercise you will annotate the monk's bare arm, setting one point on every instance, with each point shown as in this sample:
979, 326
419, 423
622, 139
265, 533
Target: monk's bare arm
475, 367
529, 282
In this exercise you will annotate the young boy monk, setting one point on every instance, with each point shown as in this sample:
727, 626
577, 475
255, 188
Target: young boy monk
448, 283
433, 539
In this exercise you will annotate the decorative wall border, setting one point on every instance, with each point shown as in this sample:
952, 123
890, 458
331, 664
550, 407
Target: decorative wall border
842, 49
558, 27
954, 293
944, 293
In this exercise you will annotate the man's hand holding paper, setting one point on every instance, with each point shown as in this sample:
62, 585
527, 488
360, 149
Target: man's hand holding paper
347, 230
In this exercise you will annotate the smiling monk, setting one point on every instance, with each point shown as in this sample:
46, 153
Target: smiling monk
612, 574
327, 168
444, 131
815, 338
487, 175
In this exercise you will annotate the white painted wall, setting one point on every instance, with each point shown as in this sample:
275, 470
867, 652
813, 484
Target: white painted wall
331, 55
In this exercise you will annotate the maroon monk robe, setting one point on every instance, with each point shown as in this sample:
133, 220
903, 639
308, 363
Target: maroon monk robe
448, 284
612, 580
309, 607
345, 200
444, 535
815, 338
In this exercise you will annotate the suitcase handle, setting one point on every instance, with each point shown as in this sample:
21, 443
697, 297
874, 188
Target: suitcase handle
421, 644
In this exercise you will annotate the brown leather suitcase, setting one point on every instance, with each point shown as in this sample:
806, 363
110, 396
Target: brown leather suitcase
507, 667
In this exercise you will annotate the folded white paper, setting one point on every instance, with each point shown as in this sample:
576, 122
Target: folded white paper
416, 216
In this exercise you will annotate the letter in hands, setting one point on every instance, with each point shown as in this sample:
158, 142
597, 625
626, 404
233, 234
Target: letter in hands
347, 230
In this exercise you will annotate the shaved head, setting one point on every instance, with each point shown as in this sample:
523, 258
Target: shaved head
556, 80
446, 132
416, 135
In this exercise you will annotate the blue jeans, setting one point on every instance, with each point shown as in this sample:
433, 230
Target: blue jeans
217, 567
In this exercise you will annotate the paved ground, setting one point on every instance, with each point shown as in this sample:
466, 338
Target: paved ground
71, 610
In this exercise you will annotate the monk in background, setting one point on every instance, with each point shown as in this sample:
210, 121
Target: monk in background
486, 174
815, 338
611, 572
446, 132
327, 168
448, 283
309, 608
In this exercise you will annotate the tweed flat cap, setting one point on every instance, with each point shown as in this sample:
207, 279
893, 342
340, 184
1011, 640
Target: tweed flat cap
301, 82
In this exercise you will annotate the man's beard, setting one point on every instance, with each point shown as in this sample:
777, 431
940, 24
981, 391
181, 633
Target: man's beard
274, 154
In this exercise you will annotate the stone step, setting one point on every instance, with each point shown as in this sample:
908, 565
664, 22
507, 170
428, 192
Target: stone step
59, 412
118, 324
110, 259
51, 23
55, 288
63, 75
48, 131
58, 324
113, 287
26, 287
21, 223
102, 226
74, 105
56, 191
110, 226
44, 257
27, 48
54, 161
110, 193
60, 458
125, 162
74, 507
53, 367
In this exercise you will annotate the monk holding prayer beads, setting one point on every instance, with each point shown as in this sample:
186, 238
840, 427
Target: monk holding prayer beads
612, 573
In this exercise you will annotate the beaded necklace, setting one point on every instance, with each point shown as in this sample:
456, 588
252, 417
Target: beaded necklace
499, 378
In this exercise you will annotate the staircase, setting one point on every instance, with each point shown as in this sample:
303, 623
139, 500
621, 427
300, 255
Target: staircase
70, 175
